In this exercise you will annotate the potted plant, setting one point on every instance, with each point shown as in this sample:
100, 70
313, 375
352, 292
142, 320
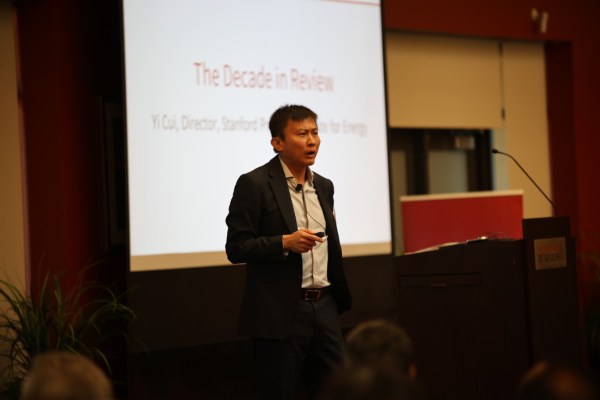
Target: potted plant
78, 320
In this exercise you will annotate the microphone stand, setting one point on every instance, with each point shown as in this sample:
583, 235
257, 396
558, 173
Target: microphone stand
530, 178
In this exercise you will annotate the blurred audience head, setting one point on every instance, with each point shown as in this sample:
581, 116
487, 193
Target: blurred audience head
370, 382
65, 376
379, 342
551, 381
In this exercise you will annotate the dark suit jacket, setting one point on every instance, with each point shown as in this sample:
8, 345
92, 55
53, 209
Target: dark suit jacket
260, 213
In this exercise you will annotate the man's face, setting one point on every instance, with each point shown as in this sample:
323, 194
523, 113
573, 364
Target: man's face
299, 147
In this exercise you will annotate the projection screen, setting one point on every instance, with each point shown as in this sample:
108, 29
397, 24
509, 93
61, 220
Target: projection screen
201, 81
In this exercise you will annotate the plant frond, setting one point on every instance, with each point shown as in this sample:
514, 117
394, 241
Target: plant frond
78, 320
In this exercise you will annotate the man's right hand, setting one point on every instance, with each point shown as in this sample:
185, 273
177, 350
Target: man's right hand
301, 241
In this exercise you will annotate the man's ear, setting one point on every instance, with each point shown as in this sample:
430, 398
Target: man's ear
276, 143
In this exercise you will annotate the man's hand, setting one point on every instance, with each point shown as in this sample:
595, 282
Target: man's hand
301, 241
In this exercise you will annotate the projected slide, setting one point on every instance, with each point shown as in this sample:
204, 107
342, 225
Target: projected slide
202, 79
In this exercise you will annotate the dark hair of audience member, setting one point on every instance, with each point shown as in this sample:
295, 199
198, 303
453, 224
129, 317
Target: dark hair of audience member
381, 342
370, 382
65, 376
551, 381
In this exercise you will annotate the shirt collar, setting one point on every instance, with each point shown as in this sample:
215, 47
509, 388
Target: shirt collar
290, 177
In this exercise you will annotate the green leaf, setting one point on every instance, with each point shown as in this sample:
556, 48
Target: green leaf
79, 320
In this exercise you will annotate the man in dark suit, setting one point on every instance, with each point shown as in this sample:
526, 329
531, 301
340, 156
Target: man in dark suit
281, 223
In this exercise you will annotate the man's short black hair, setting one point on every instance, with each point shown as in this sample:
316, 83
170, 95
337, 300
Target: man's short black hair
283, 114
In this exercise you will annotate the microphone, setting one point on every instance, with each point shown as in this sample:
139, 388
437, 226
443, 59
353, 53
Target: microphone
298, 188
494, 151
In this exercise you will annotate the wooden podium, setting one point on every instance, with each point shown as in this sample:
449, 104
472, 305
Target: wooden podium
481, 313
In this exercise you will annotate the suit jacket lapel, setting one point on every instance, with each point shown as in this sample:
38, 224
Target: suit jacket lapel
324, 199
280, 189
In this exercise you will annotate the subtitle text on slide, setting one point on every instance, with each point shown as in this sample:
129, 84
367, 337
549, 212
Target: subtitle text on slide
173, 123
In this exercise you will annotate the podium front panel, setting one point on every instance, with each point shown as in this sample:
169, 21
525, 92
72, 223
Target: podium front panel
464, 307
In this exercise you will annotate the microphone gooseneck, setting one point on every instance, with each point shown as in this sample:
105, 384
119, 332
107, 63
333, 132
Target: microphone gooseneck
495, 151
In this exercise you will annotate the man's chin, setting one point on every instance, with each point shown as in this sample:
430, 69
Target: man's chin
311, 160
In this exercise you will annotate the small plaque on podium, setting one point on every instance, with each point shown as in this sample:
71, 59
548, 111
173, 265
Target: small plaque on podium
550, 253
